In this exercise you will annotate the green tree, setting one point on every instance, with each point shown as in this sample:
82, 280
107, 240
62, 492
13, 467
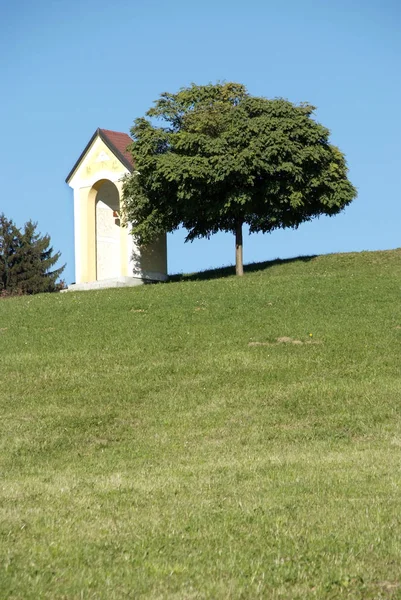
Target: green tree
26, 260
222, 158
10, 240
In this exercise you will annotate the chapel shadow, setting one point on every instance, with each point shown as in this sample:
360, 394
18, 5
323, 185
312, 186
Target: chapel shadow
230, 271
150, 260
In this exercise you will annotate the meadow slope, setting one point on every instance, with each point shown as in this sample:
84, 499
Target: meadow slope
214, 437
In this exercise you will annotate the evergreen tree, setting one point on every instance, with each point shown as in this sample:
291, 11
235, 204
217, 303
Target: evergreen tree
26, 260
10, 243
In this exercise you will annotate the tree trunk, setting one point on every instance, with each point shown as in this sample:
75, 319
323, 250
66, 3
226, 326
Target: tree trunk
239, 265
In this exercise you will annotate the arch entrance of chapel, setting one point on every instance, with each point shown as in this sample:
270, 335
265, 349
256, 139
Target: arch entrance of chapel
108, 232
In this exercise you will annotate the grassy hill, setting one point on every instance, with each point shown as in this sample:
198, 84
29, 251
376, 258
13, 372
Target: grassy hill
213, 437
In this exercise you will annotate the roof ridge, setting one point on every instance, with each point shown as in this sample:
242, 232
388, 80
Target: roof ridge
113, 131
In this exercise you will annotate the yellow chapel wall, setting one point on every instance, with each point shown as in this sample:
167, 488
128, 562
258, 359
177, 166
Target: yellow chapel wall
95, 162
98, 165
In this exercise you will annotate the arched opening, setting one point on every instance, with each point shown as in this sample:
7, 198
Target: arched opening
107, 235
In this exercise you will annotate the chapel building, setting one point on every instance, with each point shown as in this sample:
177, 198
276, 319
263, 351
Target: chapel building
106, 254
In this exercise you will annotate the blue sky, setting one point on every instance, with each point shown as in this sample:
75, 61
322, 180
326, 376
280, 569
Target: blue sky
69, 67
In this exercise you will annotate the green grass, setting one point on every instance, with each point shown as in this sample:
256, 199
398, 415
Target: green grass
159, 442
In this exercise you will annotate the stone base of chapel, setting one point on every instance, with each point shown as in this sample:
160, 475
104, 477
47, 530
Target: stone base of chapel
115, 282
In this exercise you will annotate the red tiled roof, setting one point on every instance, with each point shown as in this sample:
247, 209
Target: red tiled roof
120, 141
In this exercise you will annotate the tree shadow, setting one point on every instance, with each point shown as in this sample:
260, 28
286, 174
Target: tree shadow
230, 271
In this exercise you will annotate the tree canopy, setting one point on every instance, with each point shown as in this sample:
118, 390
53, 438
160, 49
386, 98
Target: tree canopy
221, 158
26, 260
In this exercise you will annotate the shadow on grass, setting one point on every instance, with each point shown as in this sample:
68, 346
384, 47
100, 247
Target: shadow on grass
230, 271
